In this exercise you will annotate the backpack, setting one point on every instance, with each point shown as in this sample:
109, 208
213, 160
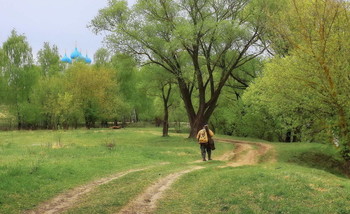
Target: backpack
203, 138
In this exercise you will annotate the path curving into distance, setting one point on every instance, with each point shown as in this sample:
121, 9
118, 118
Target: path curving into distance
245, 153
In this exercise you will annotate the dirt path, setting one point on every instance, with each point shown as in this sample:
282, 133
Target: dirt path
145, 203
66, 200
245, 153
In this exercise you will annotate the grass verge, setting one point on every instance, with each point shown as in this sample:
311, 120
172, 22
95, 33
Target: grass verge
281, 188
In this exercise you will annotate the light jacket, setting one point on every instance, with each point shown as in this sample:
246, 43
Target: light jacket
202, 136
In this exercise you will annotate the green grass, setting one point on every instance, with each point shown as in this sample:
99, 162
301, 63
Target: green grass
321, 156
306, 178
38, 165
258, 189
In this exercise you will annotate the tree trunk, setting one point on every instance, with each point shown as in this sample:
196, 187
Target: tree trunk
158, 121
166, 122
104, 123
136, 116
288, 137
87, 124
205, 109
19, 120
124, 122
166, 96
197, 124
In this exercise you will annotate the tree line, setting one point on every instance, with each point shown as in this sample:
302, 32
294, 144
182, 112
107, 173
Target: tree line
276, 70
50, 94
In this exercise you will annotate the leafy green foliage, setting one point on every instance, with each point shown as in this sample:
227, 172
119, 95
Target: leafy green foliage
102, 57
135, 104
307, 91
90, 88
52, 95
200, 43
19, 74
49, 60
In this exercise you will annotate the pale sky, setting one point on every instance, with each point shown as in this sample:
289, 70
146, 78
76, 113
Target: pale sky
61, 23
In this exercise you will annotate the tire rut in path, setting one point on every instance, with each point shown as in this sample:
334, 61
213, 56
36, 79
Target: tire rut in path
145, 203
66, 200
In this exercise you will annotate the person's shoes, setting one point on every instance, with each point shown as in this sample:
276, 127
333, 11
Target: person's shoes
210, 159
204, 159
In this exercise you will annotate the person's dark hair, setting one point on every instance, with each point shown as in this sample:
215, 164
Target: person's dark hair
206, 128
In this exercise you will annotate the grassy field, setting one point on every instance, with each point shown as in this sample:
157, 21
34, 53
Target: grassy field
37, 165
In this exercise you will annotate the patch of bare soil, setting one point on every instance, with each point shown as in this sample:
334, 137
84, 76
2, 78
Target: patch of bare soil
66, 200
145, 203
246, 153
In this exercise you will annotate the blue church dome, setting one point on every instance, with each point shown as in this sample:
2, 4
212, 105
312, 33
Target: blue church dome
75, 54
87, 59
66, 59
80, 58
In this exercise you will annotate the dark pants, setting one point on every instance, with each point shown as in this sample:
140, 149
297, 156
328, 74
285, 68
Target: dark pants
205, 148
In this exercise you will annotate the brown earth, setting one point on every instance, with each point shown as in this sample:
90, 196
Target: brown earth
145, 203
66, 200
246, 153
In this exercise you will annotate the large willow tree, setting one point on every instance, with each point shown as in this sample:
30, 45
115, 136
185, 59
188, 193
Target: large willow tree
202, 43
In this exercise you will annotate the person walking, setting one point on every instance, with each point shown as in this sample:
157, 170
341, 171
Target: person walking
203, 138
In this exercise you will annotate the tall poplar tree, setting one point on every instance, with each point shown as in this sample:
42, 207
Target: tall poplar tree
2, 75
49, 60
18, 72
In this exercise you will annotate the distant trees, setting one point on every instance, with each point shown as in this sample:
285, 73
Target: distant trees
162, 86
19, 75
135, 104
3, 81
49, 60
54, 95
102, 57
201, 43
90, 89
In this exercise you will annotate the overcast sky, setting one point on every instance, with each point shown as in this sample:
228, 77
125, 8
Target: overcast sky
61, 23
